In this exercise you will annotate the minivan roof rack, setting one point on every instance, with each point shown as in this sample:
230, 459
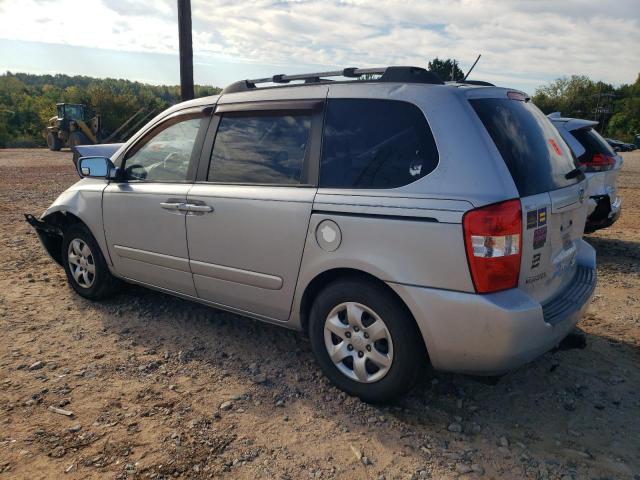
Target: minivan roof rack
480, 83
387, 74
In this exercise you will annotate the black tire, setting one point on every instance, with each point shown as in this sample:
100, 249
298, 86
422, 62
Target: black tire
97, 286
77, 138
53, 142
409, 359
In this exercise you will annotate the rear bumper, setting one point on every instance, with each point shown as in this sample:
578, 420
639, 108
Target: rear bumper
492, 334
605, 214
602, 189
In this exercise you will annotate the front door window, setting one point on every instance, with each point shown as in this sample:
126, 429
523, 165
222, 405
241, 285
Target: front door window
165, 156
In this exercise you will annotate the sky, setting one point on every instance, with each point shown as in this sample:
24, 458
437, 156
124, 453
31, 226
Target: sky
524, 43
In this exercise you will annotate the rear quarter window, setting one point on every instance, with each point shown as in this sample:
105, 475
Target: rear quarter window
531, 147
375, 144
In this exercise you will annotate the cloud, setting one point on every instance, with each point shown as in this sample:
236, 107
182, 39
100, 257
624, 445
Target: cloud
530, 41
523, 43
156, 8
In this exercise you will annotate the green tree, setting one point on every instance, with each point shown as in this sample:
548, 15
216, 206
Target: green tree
4, 127
446, 69
27, 102
616, 109
576, 96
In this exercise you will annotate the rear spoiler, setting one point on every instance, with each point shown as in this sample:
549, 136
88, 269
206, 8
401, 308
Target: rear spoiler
579, 123
572, 124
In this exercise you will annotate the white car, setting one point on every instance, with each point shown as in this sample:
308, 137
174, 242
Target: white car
600, 164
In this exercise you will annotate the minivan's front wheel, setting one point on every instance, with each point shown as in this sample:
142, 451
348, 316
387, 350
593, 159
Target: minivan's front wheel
86, 268
365, 340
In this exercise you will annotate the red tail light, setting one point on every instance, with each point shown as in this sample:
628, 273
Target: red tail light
599, 162
493, 239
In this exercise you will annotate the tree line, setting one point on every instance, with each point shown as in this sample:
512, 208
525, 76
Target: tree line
28, 101
616, 109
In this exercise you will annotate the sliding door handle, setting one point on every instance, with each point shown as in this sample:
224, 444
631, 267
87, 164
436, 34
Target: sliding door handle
199, 208
180, 206
186, 207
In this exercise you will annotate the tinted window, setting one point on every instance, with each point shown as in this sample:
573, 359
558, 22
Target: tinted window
530, 145
592, 142
268, 149
165, 155
375, 144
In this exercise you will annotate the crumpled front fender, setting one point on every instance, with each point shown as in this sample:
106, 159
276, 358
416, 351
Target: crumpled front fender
83, 202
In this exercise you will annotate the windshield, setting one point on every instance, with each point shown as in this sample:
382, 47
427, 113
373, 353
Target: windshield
73, 111
535, 154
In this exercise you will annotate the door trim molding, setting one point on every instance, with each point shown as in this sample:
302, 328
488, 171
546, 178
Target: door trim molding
236, 275
167, 261
219, 306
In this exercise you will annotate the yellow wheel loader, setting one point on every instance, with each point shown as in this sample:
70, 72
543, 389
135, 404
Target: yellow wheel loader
69, 128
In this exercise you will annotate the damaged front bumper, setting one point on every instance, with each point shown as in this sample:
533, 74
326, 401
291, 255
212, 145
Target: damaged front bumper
50, 236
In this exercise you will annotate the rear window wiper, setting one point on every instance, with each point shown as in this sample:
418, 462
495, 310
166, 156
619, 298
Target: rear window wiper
575, 173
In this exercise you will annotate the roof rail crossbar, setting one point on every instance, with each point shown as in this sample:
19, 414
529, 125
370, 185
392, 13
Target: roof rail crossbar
279, 79
387, 74
349, 72
481, 83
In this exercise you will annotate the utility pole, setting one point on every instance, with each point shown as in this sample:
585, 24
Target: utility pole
603, 109
186, 50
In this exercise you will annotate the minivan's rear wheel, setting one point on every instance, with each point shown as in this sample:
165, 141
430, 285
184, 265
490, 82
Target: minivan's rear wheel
358, 342
86, 268
365, 340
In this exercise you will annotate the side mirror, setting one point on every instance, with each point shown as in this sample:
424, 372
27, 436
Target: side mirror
96, 167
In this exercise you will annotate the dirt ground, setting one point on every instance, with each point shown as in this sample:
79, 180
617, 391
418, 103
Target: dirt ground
164, 388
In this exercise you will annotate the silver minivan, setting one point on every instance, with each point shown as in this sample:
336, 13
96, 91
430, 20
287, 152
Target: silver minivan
397, 220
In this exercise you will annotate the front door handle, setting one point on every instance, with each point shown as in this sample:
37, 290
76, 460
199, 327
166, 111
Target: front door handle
199, 208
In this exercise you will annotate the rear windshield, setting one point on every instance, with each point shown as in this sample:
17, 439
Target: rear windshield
530, 145
592, 142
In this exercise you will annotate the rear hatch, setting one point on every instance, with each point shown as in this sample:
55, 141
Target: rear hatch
600, 163
552, 191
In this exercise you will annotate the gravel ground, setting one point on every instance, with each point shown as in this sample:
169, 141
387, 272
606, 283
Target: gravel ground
150, 386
